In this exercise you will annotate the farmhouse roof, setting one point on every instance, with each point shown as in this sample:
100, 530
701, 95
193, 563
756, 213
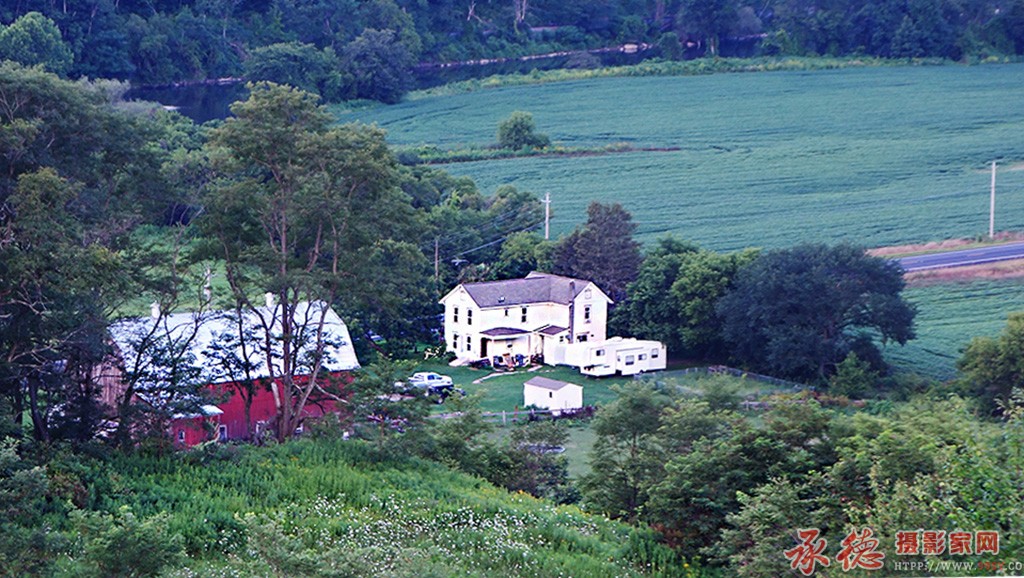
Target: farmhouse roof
546, 383
204, 333
502, 331
552, 330
534, 288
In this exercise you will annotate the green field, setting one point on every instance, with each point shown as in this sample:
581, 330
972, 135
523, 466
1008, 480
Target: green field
949, 315
874, 156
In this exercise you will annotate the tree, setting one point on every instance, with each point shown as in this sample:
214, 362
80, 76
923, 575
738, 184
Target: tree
707, 20
853, 377
518, 131
602, 250
379, 65
521, 253
798, 312
297, 202
300, 65
991, 367
626, 460
379, 411
34, 39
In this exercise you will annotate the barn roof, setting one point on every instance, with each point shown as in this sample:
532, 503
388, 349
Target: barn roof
206, 337
534, 288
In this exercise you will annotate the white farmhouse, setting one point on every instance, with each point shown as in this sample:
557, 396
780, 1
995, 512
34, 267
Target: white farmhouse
552, 394
538, 314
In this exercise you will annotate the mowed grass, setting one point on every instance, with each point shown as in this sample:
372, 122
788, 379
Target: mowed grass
949, 316
873, 156
503, 391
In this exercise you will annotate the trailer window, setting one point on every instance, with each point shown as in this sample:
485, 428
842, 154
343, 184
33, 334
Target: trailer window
642, 356
630, 360
654, 354
599, 353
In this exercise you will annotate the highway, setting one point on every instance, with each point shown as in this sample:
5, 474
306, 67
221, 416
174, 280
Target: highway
963, 257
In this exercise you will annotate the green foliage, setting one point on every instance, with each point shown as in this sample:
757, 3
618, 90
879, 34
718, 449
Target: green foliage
123, 546
853, 378
300, 65
626, 458
340, 508
519, 131
798, 312
34, 39
992, 367
602, 250
673, 299
379, 64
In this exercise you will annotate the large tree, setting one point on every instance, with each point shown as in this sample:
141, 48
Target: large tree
798, 312
298, 206
602, 250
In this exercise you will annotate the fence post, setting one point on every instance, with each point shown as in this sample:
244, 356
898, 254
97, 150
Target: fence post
503, 422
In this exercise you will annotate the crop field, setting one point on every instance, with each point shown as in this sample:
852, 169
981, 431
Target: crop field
874, 156
949, 315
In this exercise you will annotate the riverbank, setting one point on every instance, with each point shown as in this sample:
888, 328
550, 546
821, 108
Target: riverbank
700, 66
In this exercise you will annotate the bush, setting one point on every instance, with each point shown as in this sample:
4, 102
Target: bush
518, 132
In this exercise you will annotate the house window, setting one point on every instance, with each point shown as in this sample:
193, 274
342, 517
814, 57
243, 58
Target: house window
222, 433
586, 313
181, 436
581, 337
630, 360
455, 315
561, 339
469, 342
523, 320
506, 312
599, 353
551, 394
654, 354
455, 342
586, 294
469, 316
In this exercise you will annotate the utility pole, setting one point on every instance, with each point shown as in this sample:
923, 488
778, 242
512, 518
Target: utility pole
992, 205
547, 216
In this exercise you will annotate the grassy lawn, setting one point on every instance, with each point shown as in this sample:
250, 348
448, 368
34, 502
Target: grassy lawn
504, 391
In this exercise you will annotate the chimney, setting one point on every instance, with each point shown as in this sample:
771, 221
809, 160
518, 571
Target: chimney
154, 310
270, 299
572, 309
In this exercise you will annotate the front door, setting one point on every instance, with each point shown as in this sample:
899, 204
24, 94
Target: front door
483, 347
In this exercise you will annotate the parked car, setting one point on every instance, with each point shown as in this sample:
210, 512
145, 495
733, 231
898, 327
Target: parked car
433, 384
429, 379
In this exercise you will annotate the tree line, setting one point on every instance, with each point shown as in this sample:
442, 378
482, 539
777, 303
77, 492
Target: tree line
347, 49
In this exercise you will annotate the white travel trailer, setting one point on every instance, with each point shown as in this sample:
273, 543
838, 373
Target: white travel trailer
627, 356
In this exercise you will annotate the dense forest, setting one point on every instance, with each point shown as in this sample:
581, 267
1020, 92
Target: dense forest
347, 49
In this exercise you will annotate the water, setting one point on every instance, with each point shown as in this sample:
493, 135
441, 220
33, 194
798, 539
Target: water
201, 103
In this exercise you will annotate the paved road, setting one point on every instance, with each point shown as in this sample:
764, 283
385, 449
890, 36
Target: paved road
963, 257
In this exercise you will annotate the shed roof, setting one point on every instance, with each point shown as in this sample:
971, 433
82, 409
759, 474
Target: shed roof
534, 288
546, 383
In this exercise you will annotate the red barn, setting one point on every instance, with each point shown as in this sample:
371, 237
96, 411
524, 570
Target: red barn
225, 350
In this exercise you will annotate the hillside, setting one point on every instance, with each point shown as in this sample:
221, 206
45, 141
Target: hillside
328, 507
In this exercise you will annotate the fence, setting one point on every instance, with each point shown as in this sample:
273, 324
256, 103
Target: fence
518, 415
664, 379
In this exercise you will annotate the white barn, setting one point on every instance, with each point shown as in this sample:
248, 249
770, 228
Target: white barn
552, 394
